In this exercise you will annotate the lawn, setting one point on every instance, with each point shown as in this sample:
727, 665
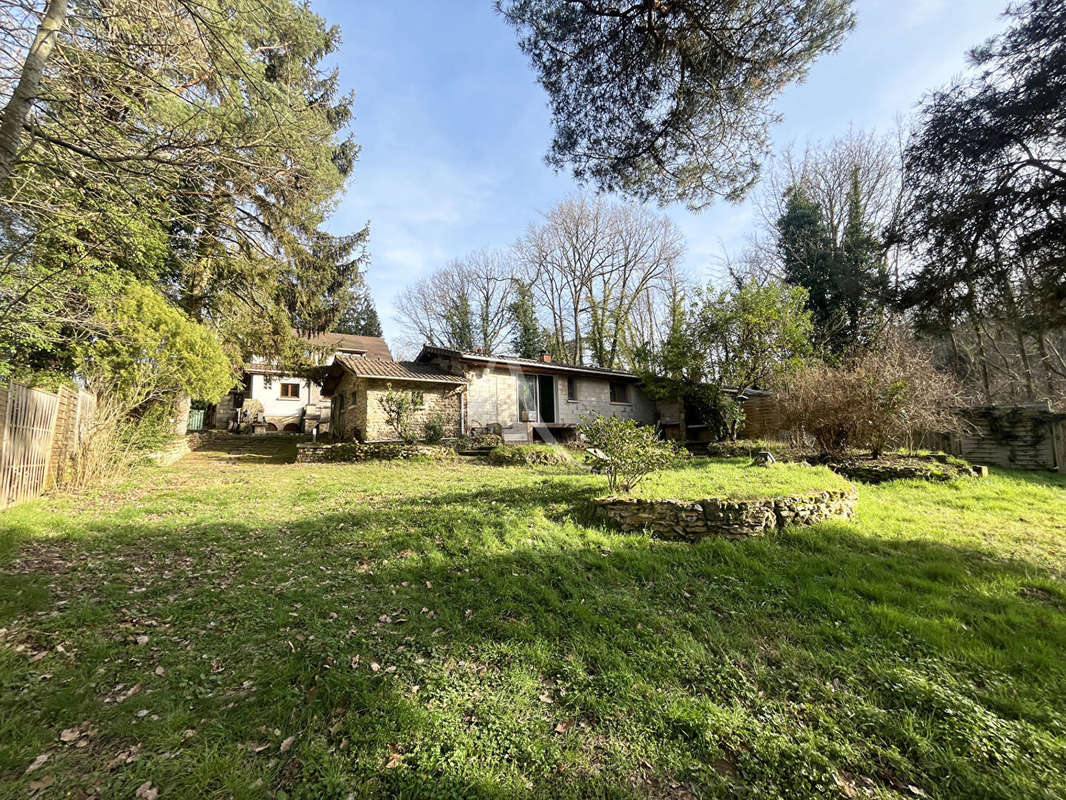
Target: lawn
237, 627
736, 478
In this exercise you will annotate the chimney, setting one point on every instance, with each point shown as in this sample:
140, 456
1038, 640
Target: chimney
545, 356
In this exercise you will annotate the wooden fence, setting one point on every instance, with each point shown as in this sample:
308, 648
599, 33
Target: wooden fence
40, 431
1020, 437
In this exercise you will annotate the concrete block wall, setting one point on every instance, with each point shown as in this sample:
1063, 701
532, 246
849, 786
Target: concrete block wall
594, 397
492, 397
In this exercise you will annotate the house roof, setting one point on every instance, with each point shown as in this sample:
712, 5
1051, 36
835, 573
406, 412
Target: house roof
525, 364
385, 369
369, 346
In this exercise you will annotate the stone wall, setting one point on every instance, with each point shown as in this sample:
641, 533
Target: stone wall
363, 418
318, 452
926, 468
716, 516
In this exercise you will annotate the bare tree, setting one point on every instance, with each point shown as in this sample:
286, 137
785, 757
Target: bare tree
29, 81
593, 268
825, 172
464, 303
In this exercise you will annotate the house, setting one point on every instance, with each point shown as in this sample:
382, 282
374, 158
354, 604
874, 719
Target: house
522, 399
294, 402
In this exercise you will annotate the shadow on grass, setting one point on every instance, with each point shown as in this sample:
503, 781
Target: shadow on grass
495, 642
270, 448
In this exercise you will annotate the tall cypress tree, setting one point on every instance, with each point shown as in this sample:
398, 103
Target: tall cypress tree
460, 324
862, 276
528, 341
806, 251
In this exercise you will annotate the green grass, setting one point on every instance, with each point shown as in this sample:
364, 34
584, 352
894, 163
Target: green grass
736, 478
238, 627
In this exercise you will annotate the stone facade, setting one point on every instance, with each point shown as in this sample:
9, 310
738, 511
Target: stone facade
716, 516
357, 413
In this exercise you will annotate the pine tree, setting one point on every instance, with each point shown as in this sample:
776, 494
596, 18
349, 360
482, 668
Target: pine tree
359, 316
528, 341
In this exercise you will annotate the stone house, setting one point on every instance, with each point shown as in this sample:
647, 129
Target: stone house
293, 402
356, 386
522, 399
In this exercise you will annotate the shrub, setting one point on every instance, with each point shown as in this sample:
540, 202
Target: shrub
400, 406
626, 451
478, 441
530, 455
871, 400
433, 430
115, 441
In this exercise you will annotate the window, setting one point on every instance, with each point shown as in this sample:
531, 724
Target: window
571, 390
290, 390
619, 392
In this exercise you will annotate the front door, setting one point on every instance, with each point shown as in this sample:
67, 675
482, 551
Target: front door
546, 398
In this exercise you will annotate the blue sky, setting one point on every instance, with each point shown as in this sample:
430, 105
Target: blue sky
453, 127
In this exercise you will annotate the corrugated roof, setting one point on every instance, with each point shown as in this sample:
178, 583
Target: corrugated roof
364, 367
543, 366
370, 346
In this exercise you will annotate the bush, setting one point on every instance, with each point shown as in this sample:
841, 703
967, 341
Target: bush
114, 442
479, 441
626, 452
433, 430
400, 406
530, 455
871, 400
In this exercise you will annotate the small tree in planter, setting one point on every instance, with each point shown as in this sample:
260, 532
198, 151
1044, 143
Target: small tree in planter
400, 406
625, 451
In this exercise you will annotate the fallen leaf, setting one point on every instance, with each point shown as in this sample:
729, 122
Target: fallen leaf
146, 791
394, 761
546, 698
142, 639
375, 666
37, 762
69, 735
160, 671
287, 744
564, 726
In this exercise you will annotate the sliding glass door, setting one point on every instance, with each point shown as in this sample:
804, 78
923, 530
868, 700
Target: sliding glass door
536, 398
527, 398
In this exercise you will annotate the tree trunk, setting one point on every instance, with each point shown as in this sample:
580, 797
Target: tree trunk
18, 107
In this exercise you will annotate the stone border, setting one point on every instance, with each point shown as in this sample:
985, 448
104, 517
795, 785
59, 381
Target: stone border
324, 452
719, 516
916, 468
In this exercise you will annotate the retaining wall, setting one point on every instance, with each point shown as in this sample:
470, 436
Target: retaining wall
716, 516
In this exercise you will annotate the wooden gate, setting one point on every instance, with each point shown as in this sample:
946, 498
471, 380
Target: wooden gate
196, 420
26, 448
